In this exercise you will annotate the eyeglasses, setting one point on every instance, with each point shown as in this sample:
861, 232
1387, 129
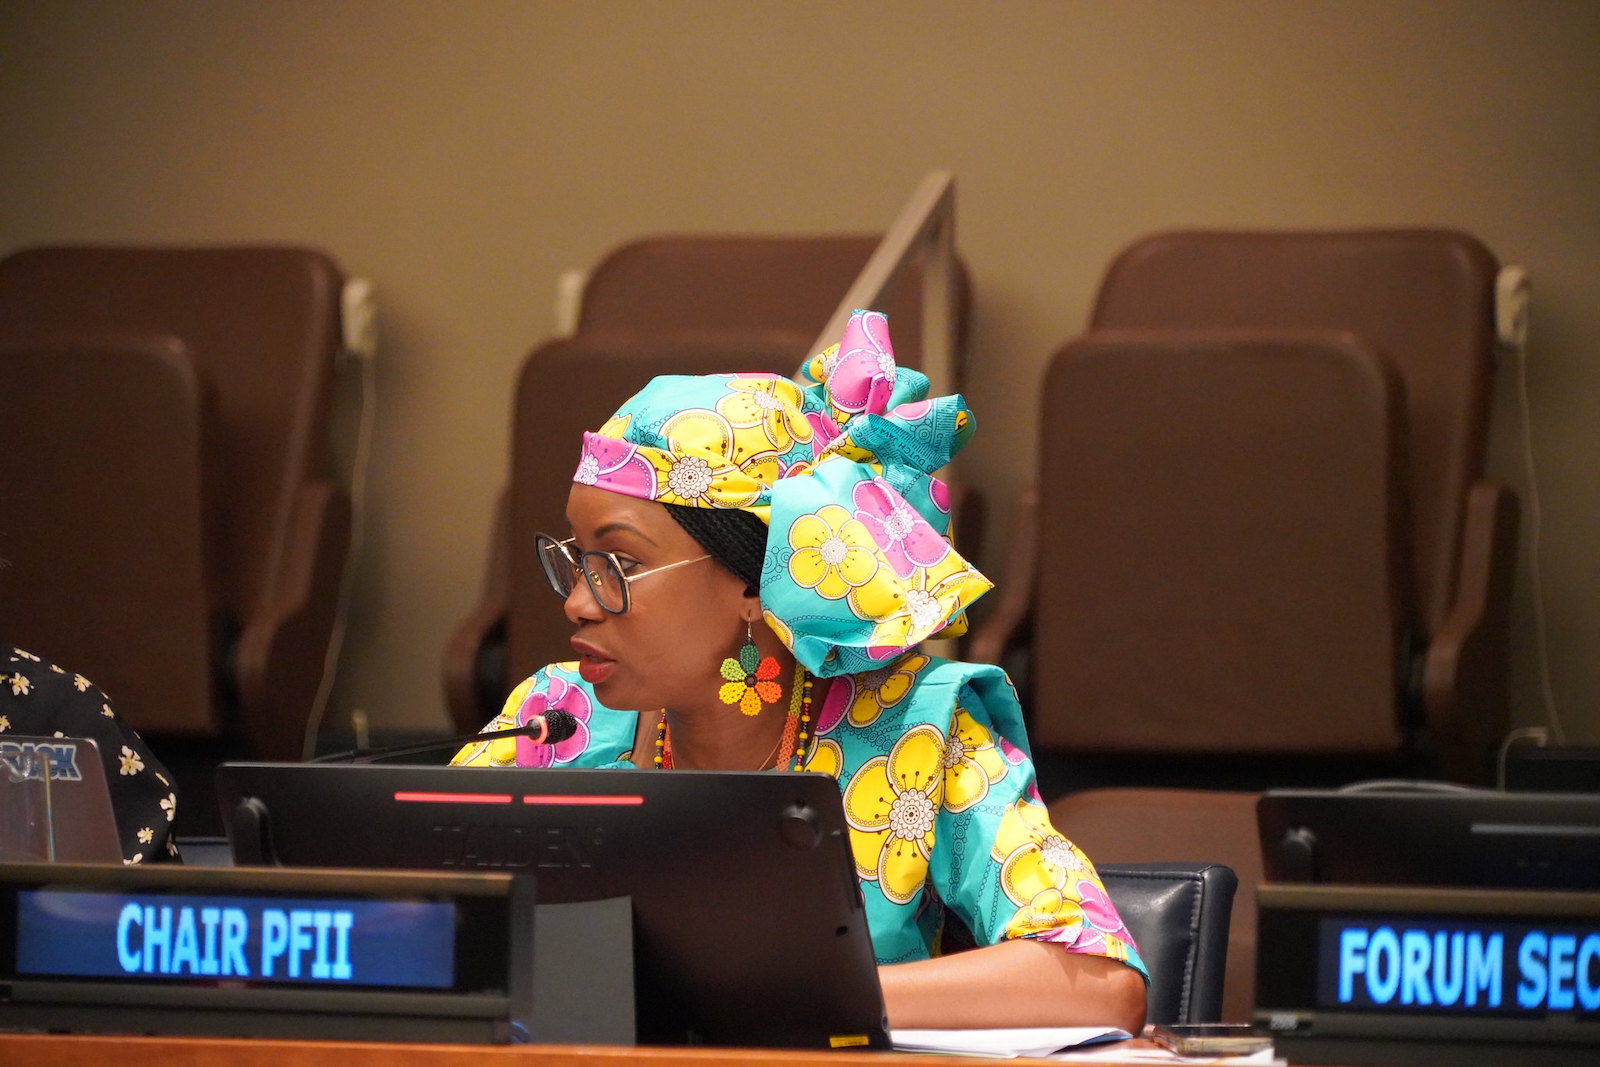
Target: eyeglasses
601, 571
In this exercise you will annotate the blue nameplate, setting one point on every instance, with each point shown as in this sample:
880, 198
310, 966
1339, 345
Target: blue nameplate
1451, 965
266, 952
1405, 975
334, 940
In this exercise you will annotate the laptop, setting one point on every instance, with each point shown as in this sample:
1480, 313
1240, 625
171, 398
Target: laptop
57, 803
748, 925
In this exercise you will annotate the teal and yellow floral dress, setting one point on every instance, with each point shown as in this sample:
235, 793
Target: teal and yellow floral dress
943, 810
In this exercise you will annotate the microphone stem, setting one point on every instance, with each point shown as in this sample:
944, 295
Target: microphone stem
363, 755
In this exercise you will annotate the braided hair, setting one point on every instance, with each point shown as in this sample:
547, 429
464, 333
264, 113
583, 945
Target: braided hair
736, 539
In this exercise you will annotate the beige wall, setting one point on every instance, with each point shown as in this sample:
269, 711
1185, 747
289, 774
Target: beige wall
461, 154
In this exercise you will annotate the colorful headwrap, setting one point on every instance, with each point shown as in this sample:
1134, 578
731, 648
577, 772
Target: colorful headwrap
859, 564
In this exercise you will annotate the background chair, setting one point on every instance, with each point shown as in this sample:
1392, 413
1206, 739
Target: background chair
1262, 524
1122, 827
1178, 915
105, 492
749, 284
169, 526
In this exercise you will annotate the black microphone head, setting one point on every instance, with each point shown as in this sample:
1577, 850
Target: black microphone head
559, 726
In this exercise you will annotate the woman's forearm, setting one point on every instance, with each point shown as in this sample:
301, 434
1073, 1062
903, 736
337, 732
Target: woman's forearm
1015, 983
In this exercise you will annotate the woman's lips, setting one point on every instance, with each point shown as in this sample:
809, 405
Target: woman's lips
593, 666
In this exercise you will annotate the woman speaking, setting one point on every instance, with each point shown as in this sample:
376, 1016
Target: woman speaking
750, 569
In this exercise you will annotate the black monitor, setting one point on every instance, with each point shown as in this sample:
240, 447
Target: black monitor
1396, 835
748, 926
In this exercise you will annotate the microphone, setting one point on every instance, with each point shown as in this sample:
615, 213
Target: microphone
551, 728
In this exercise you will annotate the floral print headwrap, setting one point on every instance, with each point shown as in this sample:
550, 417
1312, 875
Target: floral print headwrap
859, 563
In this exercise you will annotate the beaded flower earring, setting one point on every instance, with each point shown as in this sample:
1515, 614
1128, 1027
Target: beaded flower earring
748, 681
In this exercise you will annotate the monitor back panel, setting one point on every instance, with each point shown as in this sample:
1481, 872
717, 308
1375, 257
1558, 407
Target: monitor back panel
749, 922
1473, 838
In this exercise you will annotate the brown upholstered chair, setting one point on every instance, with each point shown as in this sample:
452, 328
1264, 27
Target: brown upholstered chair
748, 284
1261, 521
565, 387
169, 526
1121, 826
104, 495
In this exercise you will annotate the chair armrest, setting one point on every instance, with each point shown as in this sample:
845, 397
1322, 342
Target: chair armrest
1179, 915
278, 662
1465, 696
1012, 601
474, 656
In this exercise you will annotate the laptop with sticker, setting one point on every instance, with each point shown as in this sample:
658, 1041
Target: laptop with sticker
57, 802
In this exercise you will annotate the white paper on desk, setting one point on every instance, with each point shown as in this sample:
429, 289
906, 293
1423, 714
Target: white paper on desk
1004, 1044
1122, 1054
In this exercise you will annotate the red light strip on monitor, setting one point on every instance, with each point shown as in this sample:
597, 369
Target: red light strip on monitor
453, 798
613, 800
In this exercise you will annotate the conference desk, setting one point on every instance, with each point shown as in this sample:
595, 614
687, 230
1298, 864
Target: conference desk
77, 1050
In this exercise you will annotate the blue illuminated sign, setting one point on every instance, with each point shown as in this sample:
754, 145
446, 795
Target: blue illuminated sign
1418, 964
349, 942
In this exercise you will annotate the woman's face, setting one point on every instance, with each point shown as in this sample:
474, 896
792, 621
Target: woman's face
665, 651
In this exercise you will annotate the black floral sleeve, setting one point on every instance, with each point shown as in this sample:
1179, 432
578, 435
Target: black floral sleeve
42, 699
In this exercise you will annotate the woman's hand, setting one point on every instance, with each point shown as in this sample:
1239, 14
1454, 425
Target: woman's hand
1015, 983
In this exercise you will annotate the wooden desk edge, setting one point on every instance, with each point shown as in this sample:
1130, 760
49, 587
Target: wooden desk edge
82, 1050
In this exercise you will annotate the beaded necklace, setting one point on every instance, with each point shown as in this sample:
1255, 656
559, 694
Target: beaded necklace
791, 746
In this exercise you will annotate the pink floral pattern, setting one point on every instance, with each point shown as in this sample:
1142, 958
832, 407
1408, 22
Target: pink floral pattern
904, 537
1098, 908
835, 700
559, 695
617, 464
